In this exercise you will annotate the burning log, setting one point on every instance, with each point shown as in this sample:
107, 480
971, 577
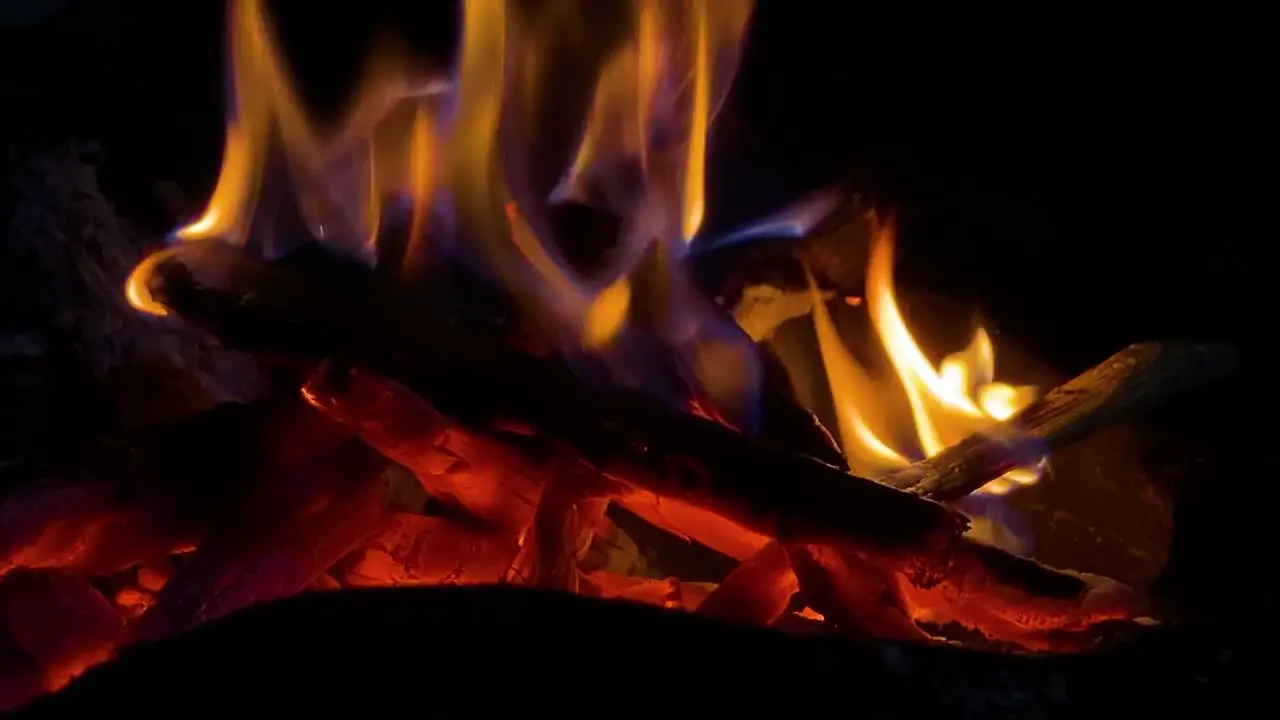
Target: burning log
321, 539
856, 598
423, 550
657, 458
41, 526
560, 535
757, 592
1136, 378
469, 473
667, 593
479, 380
137, 497
299, 520
1024, 590
60, 622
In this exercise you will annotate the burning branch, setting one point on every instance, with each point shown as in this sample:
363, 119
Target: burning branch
1137, 378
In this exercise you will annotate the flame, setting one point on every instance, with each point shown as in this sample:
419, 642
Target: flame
457, 155
948, 402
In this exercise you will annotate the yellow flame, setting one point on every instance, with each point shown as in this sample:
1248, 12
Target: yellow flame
948, 403
699, 117
421, 178
655, 101
854, 395
607, 315
266, 105
135, 287
481, 75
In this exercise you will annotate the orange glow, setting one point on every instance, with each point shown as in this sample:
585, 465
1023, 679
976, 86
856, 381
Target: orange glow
948, 402
135, 287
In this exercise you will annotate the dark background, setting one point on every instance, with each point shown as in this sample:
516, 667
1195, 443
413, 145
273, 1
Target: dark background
1124, 177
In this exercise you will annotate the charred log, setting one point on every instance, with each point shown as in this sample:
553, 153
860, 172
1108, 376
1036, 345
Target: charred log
136, 497
1135, 379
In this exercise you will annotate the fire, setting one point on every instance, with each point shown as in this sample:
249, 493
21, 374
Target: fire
454, 156
950, 401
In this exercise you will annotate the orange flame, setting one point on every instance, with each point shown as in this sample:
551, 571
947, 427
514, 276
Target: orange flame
948, 402
267, 113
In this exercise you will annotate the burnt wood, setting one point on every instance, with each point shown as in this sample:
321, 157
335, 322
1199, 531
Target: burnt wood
1137, 378
472, 373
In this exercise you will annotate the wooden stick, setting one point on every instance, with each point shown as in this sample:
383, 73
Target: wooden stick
756, 592
274, 515
1137, 378
288, 566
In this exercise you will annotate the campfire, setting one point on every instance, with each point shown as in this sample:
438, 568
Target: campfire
483, 378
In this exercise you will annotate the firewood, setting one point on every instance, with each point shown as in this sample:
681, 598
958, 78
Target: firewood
135, 497
40, 526
274, 516
1069, 598
322, 538
757, 592
467, 472
1138, 377
422, 550
324, 583
402, 425
1134, 379
61, 621
1010, 596
476, 379
851, 594
560, 535
667, 592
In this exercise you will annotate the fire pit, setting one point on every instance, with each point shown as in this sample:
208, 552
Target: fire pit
477, 379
